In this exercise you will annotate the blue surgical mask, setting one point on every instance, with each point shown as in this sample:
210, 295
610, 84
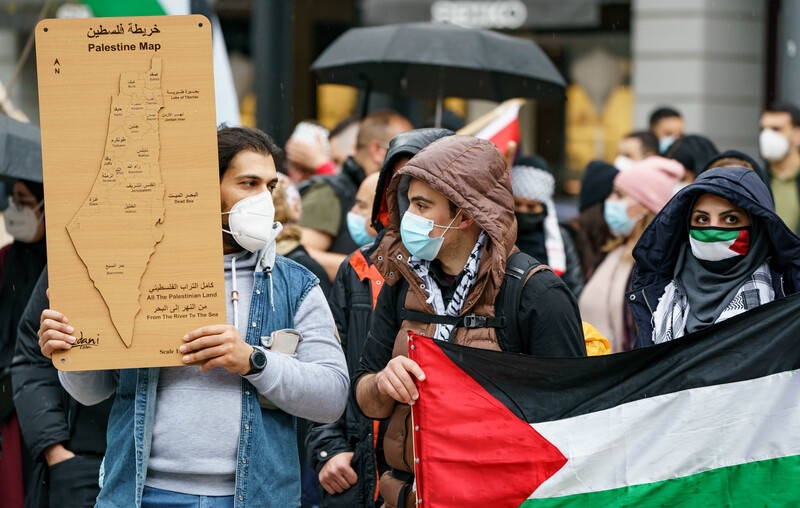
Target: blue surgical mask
414, 232
616, 215
664, 144
357, 226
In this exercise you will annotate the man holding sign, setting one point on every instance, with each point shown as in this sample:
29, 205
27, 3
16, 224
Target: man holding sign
184, 434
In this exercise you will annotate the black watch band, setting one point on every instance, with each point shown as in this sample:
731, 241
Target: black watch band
258, 360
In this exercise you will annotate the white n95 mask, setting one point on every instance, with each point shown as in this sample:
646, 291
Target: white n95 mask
21, 221
251, 221
773, 145
623, 163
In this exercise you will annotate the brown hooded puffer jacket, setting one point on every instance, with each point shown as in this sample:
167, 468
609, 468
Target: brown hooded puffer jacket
472, 173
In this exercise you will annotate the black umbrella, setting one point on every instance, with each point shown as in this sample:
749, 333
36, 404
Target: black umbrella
436, 60
20, 150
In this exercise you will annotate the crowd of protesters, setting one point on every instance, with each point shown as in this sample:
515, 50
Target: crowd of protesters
385, 229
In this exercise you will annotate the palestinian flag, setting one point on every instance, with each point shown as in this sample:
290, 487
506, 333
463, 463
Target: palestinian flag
716, 244
504, 127
712, 419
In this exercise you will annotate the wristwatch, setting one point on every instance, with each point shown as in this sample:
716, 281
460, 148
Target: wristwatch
258, 360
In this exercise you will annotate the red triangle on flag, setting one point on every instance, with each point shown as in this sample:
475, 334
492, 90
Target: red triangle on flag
504, 128
471, 450
742, 243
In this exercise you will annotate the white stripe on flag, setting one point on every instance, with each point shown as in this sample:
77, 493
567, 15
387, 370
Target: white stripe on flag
713, 251
227, 101
176, 7
225, 98
676, 435
499, 123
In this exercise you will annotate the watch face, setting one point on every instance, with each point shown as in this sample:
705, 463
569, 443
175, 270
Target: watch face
258, 359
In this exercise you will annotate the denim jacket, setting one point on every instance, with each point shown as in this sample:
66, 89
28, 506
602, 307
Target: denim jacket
268, 465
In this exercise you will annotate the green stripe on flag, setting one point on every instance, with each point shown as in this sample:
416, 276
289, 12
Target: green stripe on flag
764, 483
714, 235
114, 8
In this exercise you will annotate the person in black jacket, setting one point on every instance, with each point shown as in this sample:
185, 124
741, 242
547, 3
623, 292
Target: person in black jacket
715, 250
344, 453
66, 439
538, 232
21, 262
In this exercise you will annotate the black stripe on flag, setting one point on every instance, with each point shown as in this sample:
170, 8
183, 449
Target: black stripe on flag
758, 343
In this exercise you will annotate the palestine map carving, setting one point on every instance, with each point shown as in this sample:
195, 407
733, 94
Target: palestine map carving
115, 230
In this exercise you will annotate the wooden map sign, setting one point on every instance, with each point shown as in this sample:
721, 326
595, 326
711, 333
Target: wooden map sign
131, 180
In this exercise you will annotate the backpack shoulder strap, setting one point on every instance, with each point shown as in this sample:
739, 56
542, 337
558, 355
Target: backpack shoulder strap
519, 268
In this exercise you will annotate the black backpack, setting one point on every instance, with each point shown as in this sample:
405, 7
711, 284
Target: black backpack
519, 267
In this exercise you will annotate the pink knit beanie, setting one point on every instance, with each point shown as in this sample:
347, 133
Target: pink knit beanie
651, 181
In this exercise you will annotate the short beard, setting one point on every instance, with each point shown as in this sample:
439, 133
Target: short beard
227, 238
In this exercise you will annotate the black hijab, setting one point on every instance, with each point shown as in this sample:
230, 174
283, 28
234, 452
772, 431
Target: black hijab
709, 288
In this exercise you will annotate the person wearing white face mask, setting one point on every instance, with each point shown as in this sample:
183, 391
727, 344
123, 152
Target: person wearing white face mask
667, 125
779, 142
639, 193
635, 147
21, 262
215, 427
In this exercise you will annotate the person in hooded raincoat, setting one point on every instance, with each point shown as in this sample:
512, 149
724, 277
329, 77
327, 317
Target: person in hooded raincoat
450, 286
347, 455
716, 250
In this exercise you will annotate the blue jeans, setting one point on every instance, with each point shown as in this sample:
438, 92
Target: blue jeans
157, 498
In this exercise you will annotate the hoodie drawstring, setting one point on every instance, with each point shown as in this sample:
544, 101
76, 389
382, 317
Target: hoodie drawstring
234, 294
269, 276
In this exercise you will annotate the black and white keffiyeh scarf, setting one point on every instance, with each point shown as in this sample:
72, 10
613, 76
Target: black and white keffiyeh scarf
672, 312
422, 268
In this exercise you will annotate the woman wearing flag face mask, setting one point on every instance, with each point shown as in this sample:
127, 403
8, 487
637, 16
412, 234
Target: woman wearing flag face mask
21, 262
716, 250
639, 193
